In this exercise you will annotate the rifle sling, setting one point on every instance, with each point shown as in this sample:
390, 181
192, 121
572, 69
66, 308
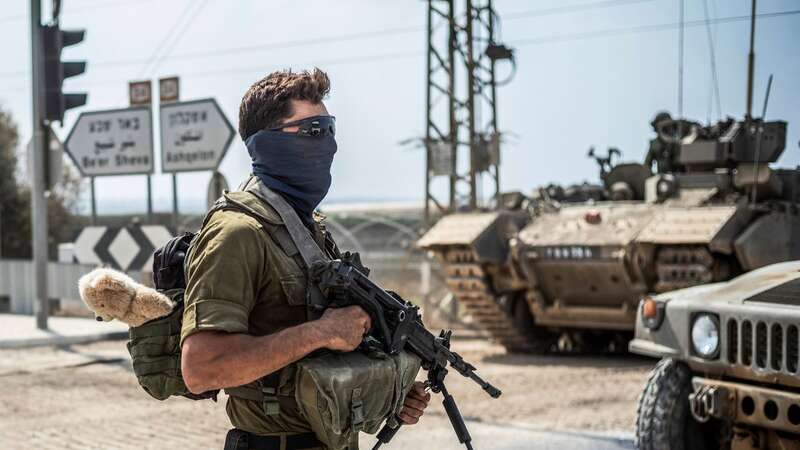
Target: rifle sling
308, 248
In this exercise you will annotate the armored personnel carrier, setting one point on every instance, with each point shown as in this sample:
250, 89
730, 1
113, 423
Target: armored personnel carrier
573, 267
728, 375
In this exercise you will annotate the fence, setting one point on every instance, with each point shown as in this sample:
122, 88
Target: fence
17, 280
406, 273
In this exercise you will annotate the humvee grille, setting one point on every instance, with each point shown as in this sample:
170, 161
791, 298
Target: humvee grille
776, 355
747, 343
763, 345
733, 341
791, 349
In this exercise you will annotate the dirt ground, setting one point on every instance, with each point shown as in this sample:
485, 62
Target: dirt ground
87, 397
567, 392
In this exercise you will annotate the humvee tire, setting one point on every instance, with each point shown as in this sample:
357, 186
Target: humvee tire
663, 419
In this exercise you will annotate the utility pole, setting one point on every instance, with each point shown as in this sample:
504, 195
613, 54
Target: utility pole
38, 156
462, 119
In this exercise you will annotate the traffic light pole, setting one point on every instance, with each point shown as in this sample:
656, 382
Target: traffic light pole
38, 155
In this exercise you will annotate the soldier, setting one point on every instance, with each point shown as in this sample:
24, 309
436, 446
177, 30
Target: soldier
245, 318
661, 152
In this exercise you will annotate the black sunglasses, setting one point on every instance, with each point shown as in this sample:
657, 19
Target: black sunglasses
316, 126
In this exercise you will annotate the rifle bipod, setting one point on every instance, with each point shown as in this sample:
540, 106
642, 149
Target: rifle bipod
436, 384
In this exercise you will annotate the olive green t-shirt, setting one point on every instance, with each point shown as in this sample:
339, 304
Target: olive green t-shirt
239, 279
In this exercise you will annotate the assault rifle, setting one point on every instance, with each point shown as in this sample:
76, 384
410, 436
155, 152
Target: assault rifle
397, 325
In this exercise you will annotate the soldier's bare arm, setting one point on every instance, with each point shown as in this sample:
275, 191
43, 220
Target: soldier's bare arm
216, 360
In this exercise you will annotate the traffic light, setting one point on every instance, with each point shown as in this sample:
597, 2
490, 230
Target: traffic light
56, 71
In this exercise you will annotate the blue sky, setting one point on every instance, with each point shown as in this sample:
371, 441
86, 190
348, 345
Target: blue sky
586, 87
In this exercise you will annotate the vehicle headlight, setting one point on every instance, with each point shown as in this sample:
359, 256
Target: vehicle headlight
705, 335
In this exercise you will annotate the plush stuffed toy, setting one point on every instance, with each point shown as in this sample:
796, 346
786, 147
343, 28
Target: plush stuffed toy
114, 295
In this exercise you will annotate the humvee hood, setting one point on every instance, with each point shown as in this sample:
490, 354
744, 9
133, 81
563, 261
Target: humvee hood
755, 286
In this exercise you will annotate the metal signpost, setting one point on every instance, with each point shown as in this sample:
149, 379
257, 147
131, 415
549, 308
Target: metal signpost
113, 142
38, 201
53, 160
140, 93
217, 185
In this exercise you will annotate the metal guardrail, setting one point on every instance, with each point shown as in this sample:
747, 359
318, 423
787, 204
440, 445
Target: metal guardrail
396, 270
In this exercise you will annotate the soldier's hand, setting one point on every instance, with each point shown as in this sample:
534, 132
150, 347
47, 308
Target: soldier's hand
344, 327
415, 404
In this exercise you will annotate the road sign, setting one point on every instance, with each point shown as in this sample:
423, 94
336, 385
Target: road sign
169, 89
194, 135
140, 93
113, 142
84, 245
127, 248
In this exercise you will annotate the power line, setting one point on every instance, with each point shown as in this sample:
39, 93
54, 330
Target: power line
179, 36
249, 48
277, 45
570, 9
78, 9
346, 37
314, 41
644, 29
173, 30
529, 41
248, 70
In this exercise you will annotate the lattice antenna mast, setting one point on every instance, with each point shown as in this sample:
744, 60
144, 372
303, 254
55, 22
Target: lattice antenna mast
462, 140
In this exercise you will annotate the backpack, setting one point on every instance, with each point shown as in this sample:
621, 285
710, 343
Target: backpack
155, 345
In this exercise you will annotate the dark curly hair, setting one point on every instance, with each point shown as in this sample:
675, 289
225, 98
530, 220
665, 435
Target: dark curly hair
267, 102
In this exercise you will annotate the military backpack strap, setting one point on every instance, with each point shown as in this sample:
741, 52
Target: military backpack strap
278, 233
309, 251
308, 248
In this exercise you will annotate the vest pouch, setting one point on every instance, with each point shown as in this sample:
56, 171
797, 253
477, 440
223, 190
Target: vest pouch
341, 394
155, 349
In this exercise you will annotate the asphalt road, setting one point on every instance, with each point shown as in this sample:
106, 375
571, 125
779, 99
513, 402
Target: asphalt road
86, 397
436, 433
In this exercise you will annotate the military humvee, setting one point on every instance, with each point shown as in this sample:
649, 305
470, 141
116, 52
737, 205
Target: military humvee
729, 375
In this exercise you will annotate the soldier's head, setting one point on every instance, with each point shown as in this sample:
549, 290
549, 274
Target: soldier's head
282, 97
660, 117
290, 136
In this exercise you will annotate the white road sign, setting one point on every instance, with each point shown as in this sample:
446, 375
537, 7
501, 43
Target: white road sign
127, 248
113, 142
194, 135
84, 245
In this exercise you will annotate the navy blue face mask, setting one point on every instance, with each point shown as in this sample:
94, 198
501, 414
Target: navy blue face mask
296, 164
